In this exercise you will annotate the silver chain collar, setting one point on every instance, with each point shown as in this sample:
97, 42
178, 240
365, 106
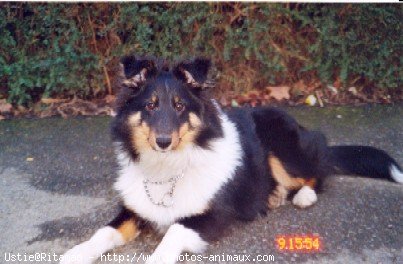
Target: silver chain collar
167, 198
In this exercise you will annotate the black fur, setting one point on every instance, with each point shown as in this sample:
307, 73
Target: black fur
303, 153
362, 160
245, 196
126, 215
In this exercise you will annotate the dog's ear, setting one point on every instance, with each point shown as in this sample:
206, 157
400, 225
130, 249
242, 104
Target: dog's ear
135, 72
194, 73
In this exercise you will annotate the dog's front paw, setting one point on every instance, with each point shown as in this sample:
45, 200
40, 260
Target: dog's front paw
103, 240
77, 255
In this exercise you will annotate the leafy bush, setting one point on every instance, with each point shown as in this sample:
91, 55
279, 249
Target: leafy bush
43, 52
72, 49
358, 41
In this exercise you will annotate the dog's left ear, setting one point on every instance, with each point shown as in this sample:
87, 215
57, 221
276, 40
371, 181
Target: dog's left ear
194, 73
136, 70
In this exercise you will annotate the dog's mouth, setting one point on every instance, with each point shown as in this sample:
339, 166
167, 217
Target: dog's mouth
161, 150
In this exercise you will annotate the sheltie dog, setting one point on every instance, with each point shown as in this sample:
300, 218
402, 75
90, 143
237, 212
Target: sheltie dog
190, 169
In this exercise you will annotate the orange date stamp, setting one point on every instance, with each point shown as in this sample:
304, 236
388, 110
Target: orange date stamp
299, 243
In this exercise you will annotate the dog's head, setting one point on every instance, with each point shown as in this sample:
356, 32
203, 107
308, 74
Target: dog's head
164, 108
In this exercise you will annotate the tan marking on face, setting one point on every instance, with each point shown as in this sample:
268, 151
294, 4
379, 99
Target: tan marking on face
140, 132
176, 99
152, 138
175, 140
194, 121
128, 229
134, 119
189, 131
186, 135
142, 137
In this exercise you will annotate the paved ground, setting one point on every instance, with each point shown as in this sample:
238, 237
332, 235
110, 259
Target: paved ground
64, 194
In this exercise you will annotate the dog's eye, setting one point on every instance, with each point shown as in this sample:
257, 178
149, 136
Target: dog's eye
151, 106
179, 106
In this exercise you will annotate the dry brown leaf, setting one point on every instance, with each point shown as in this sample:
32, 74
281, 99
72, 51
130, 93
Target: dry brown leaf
52, 100
223, 101
300, 85
353, 90
279, 92
22, 109
337, 83
5, 107
110, 99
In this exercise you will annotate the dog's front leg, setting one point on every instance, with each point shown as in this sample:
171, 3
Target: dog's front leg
121, 230
190, 234
177, 239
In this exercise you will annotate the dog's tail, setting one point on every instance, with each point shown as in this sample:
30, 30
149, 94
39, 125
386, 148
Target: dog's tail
365, 161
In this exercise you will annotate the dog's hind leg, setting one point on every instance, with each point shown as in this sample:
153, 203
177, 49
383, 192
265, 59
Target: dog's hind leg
121, 230
306, 195
285, 182
278, 197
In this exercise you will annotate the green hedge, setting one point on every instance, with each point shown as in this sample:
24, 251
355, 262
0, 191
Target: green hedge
72, 49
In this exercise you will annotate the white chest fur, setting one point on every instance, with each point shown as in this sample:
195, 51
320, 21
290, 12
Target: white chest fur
205, 172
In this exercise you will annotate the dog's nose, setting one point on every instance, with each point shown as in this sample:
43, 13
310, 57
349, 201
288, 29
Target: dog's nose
164, 141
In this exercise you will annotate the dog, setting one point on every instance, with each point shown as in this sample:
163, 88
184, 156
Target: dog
190, 169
